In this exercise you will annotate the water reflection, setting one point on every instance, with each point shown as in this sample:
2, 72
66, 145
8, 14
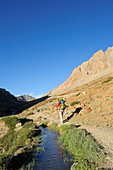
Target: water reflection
52, 157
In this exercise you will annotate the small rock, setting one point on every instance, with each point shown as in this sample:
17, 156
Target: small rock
60, 131
18, 125
87, 109
43, 119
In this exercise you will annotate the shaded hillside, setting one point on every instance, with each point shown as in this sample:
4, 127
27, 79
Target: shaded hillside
25, 98
29, 104
10, 105
8, 102
100, 64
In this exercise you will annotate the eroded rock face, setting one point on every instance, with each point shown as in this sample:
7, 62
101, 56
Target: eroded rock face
98, 63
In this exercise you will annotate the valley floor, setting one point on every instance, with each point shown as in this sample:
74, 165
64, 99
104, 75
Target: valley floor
103, 135
89, 107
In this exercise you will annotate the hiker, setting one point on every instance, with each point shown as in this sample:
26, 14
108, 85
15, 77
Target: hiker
61, 105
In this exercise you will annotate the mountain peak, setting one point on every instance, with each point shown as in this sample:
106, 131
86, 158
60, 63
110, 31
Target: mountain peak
99, 64
25, 98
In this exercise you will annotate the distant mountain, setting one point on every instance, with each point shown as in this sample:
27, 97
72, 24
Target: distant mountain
25, 98
100, 64
11, 105
8, 103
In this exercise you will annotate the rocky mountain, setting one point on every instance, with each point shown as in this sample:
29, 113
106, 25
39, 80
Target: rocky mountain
100, 64
8, 102
25, 98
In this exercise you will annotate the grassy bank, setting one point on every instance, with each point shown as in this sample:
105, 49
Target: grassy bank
87, 153
17, 144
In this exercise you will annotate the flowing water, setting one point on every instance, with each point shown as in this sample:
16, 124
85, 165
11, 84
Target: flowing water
52, 157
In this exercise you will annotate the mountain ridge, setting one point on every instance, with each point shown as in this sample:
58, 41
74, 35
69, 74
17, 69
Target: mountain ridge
98, 65
8, 102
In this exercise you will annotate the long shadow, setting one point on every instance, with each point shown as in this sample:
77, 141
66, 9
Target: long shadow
69, 117
76, 111
30, 104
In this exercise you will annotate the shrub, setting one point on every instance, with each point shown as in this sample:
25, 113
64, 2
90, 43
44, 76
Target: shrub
75, 102
78, 94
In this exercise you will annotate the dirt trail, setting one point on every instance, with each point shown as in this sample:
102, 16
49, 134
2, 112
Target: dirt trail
104, 137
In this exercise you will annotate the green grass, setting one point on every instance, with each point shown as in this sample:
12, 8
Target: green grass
84, 149
53, 126
29, 114
13, 140
11, 121
75, 102
28, 125
109, 79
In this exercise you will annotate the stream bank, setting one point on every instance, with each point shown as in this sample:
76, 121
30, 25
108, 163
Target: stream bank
87, 153
52, 157
85, 150
77, 141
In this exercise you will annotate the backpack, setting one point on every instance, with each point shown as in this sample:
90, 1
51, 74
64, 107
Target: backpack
62, 103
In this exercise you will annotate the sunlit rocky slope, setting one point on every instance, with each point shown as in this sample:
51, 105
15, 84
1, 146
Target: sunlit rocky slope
100, 64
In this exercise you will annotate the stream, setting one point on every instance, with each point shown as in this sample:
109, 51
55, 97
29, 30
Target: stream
52, 156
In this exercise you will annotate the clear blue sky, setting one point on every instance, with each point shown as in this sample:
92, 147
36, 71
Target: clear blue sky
42, 41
